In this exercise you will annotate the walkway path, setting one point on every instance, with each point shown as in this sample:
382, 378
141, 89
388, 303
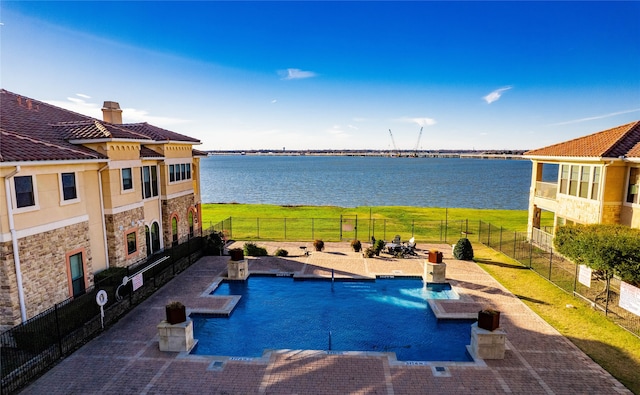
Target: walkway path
126, 360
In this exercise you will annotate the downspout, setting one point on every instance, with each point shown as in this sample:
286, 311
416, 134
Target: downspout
104, 226
14, 243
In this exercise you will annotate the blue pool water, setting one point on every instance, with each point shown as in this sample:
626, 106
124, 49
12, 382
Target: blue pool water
386, 315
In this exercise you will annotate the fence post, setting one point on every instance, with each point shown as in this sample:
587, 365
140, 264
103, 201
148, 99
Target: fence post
413, 226
312, 229
489, 235
285, 228
356, 227
258, 227
440, 230
606, 305
550, 262
501, 229
515, 237
530, 254
384, 229
55, 309
230, 227
575, 279
340, 227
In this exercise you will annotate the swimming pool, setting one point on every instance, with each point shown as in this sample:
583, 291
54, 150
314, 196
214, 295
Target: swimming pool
386, 315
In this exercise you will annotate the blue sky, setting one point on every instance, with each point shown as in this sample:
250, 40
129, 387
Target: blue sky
323, 75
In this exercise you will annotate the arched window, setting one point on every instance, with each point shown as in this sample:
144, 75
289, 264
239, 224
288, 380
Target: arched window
174, 230
155, 237
147, 235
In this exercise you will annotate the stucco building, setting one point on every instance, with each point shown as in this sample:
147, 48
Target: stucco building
594, 179
80, 195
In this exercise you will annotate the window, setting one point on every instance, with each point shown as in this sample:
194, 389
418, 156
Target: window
76, 270
573, 180
154, 180
149, 181
127, 179
25, 196
580, 181
595, 188
132, 246
634, 185
155, 237
584, 181
174, 230
69, 191
564, 178
179, 172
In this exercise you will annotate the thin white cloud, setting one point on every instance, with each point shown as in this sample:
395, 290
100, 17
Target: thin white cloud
274, 101
337, 131
421, 121
296, 74
352, 127
495, 95
613, 114
129, 115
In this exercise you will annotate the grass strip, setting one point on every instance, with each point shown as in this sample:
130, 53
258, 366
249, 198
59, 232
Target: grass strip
609, 345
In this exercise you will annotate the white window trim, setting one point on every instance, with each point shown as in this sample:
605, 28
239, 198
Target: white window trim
182, 180
150, 182
626, 190
14, 198
121, 180
61, 188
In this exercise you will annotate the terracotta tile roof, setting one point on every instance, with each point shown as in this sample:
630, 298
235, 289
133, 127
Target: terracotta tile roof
196, 152
35, 131
622, 140
146, 152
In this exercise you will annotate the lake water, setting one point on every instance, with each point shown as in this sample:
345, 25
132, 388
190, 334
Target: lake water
366, 181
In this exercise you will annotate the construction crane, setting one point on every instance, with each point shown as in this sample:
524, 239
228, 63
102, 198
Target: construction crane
415, 151
394, 143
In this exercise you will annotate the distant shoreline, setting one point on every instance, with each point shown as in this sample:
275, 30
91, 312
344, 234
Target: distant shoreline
504, 154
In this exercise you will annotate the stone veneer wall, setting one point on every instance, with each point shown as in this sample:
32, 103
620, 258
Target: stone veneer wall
9, 303
179, 206
43, 262
116, 237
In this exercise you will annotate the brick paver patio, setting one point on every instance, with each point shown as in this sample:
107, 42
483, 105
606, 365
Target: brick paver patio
125, 359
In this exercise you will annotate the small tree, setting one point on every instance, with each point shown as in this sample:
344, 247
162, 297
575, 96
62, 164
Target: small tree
463, 250
611, 249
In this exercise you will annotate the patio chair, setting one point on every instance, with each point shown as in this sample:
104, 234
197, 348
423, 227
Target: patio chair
396, 240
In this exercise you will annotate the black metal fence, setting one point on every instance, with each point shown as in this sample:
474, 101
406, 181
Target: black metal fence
345, 228
33, 347
602, 293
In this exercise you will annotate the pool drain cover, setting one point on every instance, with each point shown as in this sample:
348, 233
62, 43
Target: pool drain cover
216, 365
440, 371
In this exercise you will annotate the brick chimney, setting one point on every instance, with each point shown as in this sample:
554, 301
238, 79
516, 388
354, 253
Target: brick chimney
111, 112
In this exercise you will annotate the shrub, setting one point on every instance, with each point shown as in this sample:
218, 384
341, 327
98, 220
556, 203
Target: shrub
214, 244
252, 249
356, 245
378, 246
281, 252
318, 245
463, 250
369, 252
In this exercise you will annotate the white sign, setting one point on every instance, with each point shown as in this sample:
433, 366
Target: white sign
101, 297
137, 281
629, 298
584, 275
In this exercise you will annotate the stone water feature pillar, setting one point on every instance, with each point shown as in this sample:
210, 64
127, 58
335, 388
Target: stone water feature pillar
237, 267
436, 272
176, 337
487, 344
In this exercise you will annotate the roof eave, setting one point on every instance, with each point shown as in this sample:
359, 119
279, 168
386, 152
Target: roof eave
52, 162
108, 140
543, 158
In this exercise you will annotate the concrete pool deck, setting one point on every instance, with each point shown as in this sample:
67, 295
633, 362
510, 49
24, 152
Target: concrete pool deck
125, 359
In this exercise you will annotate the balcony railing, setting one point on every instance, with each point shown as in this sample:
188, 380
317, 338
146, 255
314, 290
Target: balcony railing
546, 190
